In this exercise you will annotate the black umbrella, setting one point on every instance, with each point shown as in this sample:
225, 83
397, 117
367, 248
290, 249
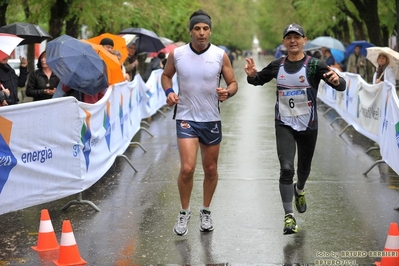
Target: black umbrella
148, 41
30, 32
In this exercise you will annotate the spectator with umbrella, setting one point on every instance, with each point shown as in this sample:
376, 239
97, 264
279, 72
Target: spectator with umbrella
108, 44
357, 63
79, 68
31, 34
328, 56
386, 62
156, 63
131, 63
384, 71
8, 42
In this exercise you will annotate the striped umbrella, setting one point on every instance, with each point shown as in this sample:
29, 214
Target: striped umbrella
8, 42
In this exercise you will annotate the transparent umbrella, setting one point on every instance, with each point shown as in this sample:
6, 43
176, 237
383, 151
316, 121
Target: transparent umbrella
329, 42
373, 52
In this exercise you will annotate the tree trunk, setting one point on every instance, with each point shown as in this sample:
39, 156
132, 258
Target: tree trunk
31, 47
3, 11
368, 11
343, 24
358, 30
58, 12
357, 25
397, 26
73, 27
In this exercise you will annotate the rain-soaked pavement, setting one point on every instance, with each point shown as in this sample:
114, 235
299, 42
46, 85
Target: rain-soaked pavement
347, 211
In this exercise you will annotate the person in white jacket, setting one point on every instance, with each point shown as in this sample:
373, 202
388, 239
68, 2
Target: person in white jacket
383, 70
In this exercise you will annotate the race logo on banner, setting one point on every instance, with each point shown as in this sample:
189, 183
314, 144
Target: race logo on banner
7, 158
107, 124
86, 138
397, 133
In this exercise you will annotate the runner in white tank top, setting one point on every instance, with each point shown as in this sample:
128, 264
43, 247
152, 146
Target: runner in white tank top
198, 98
198, 66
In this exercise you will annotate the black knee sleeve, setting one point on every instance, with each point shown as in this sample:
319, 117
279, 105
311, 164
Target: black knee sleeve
286, 176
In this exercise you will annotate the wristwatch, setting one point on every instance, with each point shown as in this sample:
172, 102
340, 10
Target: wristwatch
228, 94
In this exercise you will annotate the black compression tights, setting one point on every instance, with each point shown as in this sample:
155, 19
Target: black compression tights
288, 140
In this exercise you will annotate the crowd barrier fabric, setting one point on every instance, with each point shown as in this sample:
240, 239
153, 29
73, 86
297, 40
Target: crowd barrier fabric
55, 148
373, 110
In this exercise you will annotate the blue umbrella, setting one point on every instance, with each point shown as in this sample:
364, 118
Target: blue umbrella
227, 50
77, 64
279, 51
350, 49
338, 55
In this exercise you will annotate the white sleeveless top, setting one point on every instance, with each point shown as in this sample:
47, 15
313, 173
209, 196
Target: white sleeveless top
198, 76
295, 106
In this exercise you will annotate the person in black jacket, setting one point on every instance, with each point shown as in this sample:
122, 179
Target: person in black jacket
42, 82
10, 80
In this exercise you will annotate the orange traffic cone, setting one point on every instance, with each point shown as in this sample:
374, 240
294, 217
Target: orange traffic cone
69, 252
46, 240
390, 255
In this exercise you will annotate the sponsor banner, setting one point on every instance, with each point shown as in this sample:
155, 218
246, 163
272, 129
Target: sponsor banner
40, 157
152, 93
373, 110
351, 96
59, 147
369, 107
389, 130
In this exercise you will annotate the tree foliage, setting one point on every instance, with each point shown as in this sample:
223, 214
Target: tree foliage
235, 23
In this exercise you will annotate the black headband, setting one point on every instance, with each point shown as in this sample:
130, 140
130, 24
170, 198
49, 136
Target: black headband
198, 19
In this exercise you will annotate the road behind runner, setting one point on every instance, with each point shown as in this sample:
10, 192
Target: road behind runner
347, 211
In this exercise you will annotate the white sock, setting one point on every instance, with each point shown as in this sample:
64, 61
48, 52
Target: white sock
186, 211
299, 191
205, 208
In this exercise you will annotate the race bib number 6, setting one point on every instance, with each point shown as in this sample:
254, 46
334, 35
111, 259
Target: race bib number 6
293, 102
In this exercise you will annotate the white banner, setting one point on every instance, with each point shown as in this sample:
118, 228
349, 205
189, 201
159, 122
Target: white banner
152, 93
373, 110
389, 130
368, 104
40, 158
59, 147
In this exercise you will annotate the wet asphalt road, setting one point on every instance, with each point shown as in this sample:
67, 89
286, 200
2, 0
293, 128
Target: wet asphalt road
347, 211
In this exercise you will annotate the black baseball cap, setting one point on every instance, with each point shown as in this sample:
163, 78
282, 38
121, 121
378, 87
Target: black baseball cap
294, 28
